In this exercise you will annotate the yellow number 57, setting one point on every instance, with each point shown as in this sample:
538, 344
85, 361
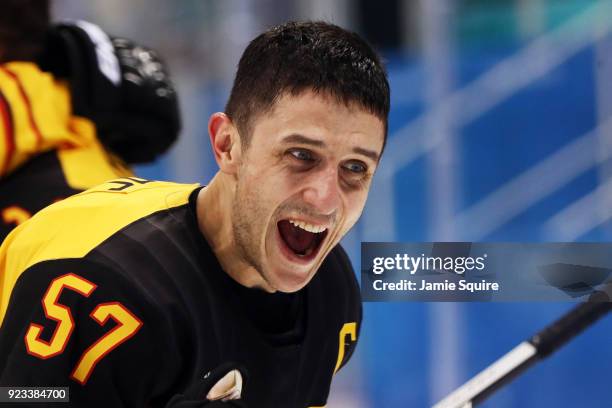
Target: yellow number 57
126, 326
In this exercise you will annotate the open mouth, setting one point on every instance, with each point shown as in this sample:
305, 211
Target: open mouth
301, 238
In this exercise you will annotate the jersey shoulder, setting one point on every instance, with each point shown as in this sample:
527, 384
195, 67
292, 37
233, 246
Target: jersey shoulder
81, 222
75, 226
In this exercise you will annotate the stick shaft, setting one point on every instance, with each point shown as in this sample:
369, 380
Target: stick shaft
540, 346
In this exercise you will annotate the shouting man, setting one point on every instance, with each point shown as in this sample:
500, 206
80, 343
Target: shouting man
139, 293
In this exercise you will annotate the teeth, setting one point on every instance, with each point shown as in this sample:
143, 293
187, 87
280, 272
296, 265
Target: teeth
308, 227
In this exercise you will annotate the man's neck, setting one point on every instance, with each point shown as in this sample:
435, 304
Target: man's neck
214, 212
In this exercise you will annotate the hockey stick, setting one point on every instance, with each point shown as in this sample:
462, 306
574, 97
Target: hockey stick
524, 355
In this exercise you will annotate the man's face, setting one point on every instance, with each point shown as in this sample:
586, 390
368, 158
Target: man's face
302, 184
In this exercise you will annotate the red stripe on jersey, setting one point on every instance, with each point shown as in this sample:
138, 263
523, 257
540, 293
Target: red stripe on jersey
26, 101
9, 133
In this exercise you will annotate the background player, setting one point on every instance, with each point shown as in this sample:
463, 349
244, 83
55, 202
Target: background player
75, 105
245, 274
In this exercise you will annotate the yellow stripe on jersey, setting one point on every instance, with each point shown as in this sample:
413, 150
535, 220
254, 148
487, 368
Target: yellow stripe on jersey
87, 166
41, 119
41, 111
73, 227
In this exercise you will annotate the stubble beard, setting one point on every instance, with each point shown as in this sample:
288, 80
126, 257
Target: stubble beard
247, 215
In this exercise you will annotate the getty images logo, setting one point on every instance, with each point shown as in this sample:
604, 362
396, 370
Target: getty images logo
412, 264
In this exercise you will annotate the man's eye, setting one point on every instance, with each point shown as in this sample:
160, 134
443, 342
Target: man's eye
302, 155
355, 167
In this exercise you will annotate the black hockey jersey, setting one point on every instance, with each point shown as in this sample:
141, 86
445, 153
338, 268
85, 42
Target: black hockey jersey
115, 293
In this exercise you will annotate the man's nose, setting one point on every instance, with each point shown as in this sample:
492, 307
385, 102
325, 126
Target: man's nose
323, 191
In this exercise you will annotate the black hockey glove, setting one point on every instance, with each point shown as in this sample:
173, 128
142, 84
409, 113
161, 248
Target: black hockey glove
220, 388
124, 88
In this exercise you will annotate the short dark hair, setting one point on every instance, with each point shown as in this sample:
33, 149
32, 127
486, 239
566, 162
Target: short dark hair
23, 26
299, 56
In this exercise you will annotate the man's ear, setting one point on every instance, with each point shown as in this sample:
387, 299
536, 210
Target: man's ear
225, 142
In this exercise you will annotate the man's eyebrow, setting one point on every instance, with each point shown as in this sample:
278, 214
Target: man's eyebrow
297, 138
368, 153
